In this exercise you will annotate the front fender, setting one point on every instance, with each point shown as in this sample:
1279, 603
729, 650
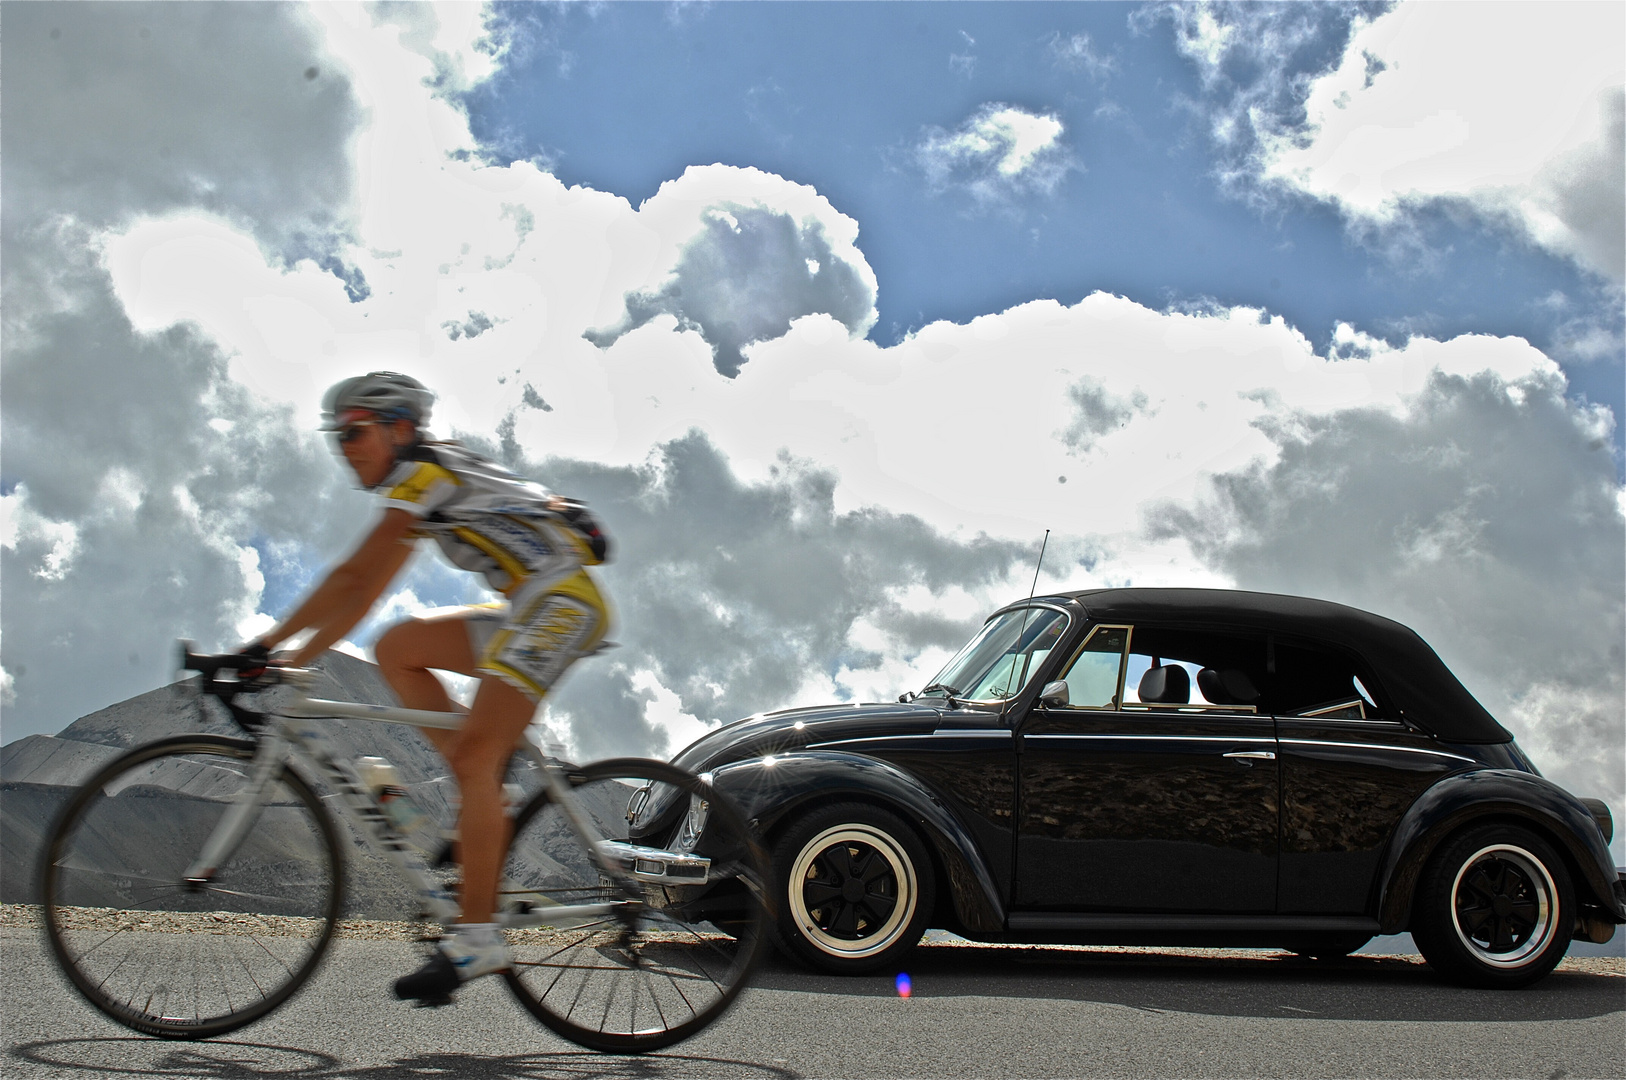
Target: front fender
768, 789
1503, 793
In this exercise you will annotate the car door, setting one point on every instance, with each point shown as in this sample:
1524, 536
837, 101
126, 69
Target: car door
1146, 806
1350, 769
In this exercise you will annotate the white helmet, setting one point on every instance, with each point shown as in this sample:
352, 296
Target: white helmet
387, 393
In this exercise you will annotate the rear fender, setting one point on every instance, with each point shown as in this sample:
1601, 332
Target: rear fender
769, 789
1495, 793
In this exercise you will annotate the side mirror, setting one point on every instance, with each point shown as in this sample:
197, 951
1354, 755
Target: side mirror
1054, 693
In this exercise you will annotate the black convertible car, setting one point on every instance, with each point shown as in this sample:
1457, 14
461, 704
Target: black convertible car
1174, 767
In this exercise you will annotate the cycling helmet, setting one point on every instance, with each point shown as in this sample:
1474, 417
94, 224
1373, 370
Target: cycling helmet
388, 393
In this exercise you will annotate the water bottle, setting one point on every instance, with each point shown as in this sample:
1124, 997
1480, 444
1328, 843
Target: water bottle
404, 815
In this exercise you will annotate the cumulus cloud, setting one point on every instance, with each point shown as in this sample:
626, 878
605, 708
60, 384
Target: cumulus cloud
1255, 63
1000, 151
749, 264
1515, 110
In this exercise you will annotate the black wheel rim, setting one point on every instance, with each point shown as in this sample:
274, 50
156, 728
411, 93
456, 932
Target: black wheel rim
1504, 906
852, 891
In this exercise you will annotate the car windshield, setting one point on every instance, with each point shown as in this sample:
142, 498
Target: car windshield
1002, 657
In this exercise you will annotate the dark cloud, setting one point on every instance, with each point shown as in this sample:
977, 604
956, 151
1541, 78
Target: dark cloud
145, 478
743, 278
734, 592
1099, 412
1486, 516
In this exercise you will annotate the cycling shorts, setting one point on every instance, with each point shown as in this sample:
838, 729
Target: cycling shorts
529, 641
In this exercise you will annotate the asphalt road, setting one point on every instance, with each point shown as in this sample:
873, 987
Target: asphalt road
975, 1012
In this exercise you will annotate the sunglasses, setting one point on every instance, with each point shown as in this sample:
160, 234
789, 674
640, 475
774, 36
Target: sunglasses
351, 432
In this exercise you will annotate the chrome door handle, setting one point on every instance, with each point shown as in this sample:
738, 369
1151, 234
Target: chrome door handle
1248, 757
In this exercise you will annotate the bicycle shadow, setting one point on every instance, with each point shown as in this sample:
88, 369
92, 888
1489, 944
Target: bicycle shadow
225, 1060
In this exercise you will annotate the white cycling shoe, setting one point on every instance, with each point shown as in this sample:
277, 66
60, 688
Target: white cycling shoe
468, 951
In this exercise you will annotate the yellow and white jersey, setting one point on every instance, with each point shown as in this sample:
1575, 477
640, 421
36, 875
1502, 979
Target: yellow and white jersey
485, 518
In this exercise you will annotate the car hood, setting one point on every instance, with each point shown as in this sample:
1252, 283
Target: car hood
792, 729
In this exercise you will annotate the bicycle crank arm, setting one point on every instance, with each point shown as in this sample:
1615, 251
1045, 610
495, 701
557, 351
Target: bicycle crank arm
562, 916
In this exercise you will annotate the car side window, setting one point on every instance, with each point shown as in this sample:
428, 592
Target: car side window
1095, 675
1191, 670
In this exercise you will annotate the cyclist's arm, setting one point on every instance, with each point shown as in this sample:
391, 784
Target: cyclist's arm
349, 591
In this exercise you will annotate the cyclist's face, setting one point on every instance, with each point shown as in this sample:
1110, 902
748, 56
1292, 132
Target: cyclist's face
369, 447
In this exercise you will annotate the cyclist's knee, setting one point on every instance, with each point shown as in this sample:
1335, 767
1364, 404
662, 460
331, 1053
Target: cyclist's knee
393, 648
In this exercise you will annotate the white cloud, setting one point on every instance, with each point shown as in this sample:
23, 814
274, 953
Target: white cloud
999, 151
1515, 108
1077, 52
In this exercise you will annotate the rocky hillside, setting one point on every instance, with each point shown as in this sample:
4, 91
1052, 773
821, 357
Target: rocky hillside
39, 772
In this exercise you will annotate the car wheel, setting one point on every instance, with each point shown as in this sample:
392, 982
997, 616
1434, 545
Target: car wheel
1494, 908
856, 888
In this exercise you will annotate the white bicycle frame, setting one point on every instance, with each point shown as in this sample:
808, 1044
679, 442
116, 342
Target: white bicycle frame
292, 734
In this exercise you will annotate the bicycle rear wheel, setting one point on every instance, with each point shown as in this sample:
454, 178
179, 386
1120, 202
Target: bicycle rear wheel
170, 958
671, 960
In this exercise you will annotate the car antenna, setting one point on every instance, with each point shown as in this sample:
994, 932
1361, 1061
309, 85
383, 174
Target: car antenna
1028, 613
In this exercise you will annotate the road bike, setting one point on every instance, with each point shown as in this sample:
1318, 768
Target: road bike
194, 884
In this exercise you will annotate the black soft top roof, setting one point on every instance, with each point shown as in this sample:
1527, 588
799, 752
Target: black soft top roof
1410, 673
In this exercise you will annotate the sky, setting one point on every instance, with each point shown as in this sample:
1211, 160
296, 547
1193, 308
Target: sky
830, 311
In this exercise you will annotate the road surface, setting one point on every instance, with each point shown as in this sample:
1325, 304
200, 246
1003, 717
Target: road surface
974, 1012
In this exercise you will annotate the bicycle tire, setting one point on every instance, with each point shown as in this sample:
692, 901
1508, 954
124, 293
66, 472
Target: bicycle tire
651, 979
170, 959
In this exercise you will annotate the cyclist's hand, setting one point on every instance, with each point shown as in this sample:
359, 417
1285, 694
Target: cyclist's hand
257, 658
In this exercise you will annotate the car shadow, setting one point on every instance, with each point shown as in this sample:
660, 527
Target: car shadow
1236, 983
224, 1060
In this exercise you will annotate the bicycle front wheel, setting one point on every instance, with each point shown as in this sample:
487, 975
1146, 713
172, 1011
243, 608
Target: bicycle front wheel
179, 959
685, 933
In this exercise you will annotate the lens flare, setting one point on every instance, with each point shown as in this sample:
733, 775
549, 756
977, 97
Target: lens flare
905, 987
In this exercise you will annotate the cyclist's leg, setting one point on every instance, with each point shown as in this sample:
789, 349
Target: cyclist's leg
478, 753
518, 655
546, 631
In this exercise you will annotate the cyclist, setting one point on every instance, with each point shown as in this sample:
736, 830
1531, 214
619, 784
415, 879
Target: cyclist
532, 547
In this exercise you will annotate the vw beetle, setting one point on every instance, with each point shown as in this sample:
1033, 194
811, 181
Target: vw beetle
1173, 767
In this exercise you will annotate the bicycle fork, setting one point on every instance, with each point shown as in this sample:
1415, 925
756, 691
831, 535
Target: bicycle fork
269, 758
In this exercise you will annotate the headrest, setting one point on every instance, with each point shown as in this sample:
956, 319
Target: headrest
1229, 687
1167, 684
